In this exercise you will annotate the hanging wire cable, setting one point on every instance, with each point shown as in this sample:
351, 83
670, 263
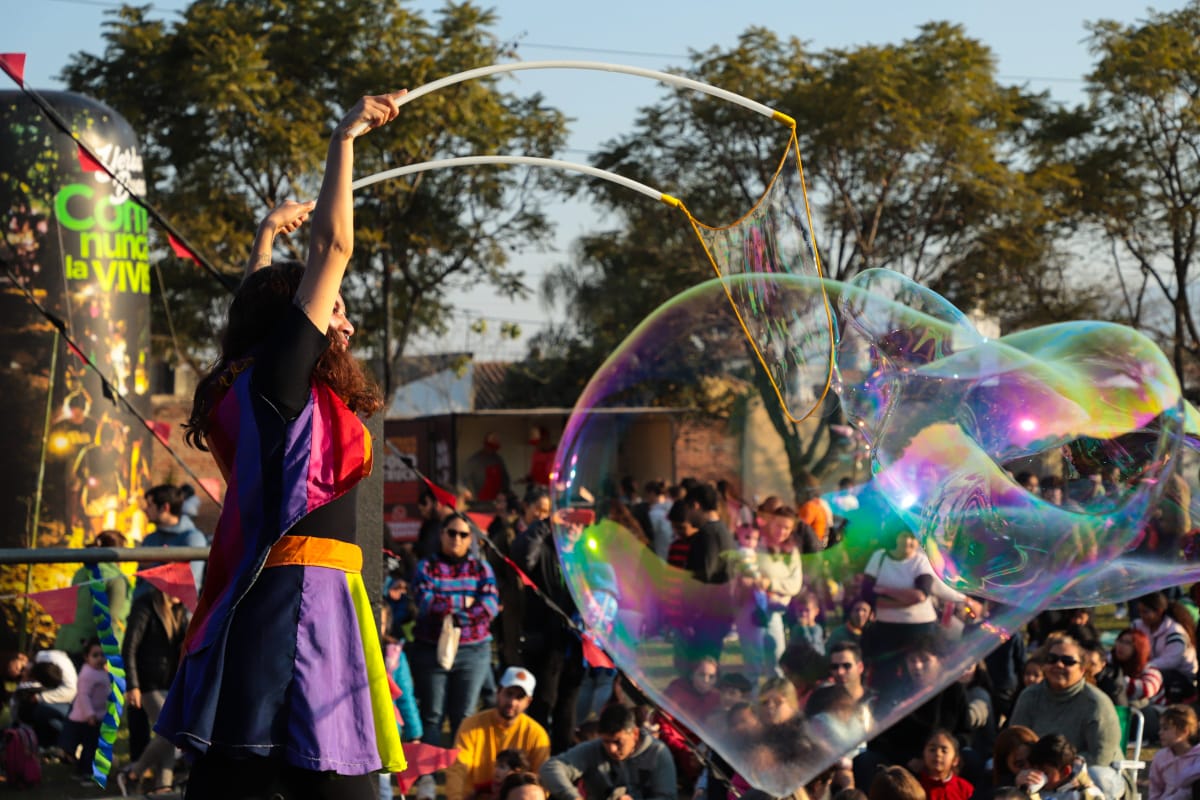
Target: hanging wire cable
110, 391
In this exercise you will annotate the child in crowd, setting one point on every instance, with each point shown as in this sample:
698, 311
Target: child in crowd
81, 732
734, 688
1175, 767
808, 628
746, 564
939, 771
696, 695
1056, 772
507, 762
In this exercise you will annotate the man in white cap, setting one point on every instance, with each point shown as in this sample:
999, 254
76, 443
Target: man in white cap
506, 727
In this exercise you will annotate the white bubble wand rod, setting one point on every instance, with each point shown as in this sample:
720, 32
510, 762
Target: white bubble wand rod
599, 66
532, 161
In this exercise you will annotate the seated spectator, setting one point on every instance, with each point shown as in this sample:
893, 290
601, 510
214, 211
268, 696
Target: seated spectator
1098, 671
895, 783
734, 688
509, 762
47, 690
624, 757
522, 786
696, 695
1176, 767
1172, 644
1011, 754
858, 616
484, 736
939, 769
1065, 704
1056, 773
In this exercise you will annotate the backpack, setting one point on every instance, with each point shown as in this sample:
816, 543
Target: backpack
19, 750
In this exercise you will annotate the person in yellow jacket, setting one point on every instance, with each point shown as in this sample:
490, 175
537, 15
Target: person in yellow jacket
482, 736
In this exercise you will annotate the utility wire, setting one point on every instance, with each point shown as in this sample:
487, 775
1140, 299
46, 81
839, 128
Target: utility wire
576, 628
57, 120
110, 391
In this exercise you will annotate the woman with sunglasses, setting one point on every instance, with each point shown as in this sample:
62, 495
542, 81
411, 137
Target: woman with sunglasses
1066, 704
457, 585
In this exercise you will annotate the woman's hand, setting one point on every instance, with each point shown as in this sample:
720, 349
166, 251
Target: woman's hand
372, 111
286, 217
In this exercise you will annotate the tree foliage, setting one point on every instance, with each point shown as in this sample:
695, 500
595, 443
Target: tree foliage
916, 158
1135, 154
235, 101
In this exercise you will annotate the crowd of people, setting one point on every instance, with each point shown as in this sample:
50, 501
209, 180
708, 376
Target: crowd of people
800, 665
279, 684
1044, 715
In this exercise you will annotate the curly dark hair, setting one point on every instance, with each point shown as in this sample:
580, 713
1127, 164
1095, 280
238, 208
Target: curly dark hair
258, 308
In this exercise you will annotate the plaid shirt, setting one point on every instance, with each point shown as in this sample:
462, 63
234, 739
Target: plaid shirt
442, 587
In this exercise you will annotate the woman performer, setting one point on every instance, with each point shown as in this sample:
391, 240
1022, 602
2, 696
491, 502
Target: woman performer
282, 691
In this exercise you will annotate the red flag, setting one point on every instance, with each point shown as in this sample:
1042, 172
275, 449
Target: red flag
423, 759
58, 603
87, 163
525, 579
594, 656
442, 496
482, 521
173, 580
161, 431
180, 249
14, 65
212, 487
75, 351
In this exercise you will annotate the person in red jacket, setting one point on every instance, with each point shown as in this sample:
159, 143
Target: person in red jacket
938, 776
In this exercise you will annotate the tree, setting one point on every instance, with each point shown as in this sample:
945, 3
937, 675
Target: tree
1136, 150
915, 158
235, 102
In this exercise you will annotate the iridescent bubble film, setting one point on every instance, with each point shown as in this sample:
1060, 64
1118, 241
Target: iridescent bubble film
933, 425
793, 343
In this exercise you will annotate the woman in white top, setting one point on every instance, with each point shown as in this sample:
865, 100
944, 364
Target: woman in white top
1172, 644
900, 584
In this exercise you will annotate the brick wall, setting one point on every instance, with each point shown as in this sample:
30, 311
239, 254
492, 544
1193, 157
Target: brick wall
706, 450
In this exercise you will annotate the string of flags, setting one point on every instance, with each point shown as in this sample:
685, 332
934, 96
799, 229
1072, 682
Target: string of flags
592, 652
173, 580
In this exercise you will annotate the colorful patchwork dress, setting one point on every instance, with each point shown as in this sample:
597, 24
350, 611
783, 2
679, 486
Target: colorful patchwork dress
282, 658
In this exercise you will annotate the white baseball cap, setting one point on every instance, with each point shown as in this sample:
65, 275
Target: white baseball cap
518, 676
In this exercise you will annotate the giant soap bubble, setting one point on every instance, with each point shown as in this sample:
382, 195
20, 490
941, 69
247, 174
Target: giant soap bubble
938, 414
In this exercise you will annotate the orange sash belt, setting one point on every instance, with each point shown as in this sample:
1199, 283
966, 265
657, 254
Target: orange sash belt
313, 551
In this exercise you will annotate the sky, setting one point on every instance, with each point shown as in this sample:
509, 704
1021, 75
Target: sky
1040, 45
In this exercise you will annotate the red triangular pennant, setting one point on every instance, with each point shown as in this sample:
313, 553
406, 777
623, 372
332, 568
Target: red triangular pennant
14, 65
481, 521
525, 579
594, 656
211, 487
161, 431
423, 759
60, 604
181, 250
86, 162
173, 580
442, 496
75, 351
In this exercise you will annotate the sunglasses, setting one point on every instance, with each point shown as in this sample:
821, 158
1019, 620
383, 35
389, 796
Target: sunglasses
1066, 661
453, 534
840, 666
